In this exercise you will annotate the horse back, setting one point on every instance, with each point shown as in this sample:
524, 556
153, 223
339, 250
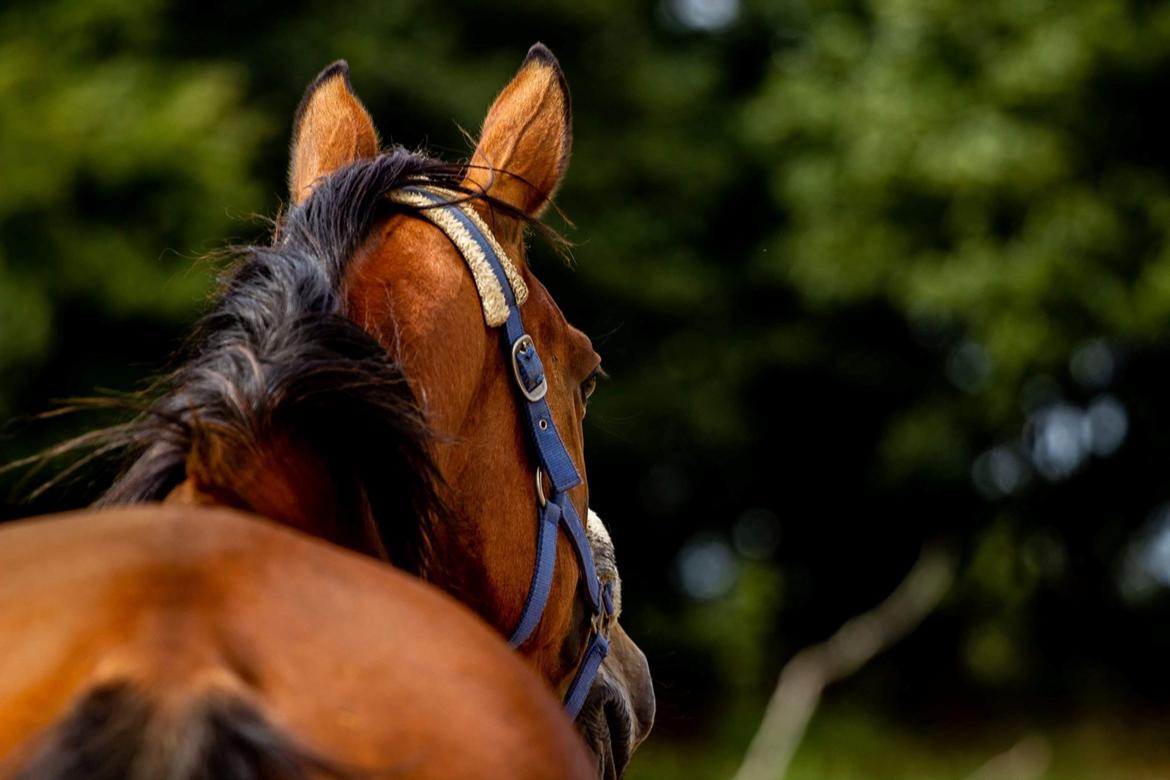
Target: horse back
170, 636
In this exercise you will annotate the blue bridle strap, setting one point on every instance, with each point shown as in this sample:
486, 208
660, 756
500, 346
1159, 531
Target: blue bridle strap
542, 574
586, 673
555, 462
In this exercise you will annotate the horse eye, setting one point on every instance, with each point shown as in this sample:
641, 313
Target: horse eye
589, 385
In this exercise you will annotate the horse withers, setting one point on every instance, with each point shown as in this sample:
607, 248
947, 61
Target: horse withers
176, 642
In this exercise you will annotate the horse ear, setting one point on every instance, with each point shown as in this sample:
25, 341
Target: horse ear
523, 149
330, 129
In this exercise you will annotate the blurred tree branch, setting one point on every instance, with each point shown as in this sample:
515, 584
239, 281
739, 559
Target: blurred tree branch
1028, 759
804, 678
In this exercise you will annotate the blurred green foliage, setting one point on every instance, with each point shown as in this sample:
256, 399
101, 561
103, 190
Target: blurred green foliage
109, 159
970, 166
864, 272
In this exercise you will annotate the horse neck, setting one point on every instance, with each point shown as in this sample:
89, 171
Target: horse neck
281, 478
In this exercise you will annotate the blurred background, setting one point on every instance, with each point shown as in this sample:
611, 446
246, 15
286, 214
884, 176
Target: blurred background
866, 274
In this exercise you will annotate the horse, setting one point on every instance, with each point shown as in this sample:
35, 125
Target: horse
186, 642
349, 382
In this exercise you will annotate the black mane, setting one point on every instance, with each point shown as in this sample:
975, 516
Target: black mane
276, 354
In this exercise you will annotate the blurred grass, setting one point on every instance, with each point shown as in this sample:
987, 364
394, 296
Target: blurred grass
849, 743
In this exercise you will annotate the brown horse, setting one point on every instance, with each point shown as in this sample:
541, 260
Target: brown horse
177, 642
349, 382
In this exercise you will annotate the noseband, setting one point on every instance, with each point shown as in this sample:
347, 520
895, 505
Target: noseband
502, 291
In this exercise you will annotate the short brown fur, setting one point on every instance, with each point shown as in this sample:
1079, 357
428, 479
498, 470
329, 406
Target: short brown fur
354, 662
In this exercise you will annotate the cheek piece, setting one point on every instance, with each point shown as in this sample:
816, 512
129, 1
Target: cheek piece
502, 291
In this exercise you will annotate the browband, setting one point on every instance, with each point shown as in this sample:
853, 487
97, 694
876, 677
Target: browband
475, 247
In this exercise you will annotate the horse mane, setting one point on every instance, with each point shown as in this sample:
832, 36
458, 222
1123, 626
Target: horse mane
276, 355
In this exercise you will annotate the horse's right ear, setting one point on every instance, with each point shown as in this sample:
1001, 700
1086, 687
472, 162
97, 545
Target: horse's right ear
330, 130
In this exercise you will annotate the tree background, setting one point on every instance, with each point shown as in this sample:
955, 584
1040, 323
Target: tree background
865, 273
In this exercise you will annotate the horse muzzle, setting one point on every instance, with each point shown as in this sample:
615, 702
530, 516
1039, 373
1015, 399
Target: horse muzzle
619, 711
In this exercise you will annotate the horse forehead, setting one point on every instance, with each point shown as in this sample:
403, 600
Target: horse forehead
409, 281
410, 276
545, 307
409, 288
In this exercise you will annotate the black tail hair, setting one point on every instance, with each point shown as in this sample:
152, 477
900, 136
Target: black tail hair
116, 733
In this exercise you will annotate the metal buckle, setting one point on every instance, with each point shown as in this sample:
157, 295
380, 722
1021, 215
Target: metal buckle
540, 488
522, 343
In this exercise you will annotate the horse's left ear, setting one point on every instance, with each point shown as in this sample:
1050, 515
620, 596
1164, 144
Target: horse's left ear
523, 150
331, 129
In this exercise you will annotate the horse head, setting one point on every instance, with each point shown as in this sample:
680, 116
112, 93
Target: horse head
409, 287
351, 381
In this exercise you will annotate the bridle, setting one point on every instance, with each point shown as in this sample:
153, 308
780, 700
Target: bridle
502, 291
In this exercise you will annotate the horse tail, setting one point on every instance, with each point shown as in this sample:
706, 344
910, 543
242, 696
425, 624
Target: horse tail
116, 732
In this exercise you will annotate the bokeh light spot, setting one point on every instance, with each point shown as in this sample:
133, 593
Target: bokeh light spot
706, 567
706, 15
1105, 426
999, 472
1145, 567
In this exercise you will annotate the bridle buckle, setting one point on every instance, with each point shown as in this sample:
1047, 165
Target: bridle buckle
524, 349
540, 488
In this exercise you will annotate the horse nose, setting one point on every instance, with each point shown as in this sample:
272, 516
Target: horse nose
644, 703
635, 671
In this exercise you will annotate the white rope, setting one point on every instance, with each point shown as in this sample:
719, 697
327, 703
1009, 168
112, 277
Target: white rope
491, 294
